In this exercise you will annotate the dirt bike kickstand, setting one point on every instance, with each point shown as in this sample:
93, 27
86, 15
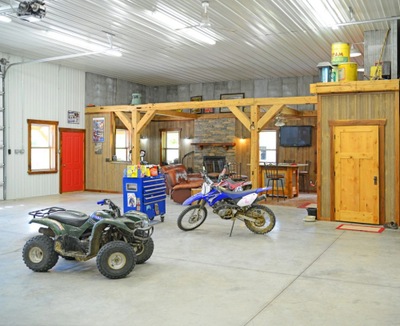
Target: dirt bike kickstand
233, 224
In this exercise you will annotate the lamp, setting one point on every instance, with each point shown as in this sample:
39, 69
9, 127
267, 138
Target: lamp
354, 52
280, 121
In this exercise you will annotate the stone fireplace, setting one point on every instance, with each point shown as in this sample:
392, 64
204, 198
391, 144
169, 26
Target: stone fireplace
211, 133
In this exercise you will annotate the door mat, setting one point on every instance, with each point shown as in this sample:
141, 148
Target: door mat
361, 228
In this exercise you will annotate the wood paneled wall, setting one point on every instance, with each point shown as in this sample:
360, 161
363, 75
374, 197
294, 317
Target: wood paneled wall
360, 106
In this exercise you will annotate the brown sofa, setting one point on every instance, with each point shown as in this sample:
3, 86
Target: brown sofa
179, 183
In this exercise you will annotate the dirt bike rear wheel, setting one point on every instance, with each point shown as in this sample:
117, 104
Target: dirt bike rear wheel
116, 259
38, 253
192, 217
265, 219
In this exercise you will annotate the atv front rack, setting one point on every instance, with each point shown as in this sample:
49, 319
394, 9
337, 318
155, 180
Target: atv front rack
46, 211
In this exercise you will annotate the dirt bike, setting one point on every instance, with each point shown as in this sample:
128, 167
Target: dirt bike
119, 241
229, 205
225, 181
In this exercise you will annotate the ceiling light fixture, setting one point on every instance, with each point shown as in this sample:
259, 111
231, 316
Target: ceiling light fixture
280, 121
87, 44
354, 52
178, 27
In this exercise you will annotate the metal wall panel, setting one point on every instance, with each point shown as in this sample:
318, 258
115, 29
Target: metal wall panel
40, 91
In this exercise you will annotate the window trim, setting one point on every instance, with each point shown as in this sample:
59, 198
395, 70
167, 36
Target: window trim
43, 122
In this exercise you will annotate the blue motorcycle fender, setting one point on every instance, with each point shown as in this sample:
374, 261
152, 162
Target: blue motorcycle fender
56, 226
195, 197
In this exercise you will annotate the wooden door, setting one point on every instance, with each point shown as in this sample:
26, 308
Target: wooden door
356, 174
72, 160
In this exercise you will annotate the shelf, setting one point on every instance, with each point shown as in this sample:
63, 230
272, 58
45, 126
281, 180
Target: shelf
225, 145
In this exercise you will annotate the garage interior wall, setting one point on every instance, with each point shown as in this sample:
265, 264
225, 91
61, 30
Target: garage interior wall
37, 91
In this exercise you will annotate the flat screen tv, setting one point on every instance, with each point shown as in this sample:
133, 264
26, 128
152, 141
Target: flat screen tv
295, 136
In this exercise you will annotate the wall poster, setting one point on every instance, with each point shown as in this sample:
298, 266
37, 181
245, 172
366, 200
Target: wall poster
98, 130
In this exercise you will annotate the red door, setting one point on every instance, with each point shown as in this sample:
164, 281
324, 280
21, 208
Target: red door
72, 160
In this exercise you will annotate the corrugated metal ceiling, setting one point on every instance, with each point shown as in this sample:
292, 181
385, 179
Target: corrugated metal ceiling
255, 39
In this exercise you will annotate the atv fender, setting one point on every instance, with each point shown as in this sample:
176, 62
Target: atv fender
100, 226
56, 226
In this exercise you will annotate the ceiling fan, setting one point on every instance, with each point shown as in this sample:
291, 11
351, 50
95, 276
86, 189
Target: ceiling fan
205, 22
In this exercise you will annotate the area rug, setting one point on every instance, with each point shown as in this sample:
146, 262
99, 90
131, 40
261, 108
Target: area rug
361, 228
305, 205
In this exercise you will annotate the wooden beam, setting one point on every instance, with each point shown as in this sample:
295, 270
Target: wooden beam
124, 119
254, 146
135, 138
241, 116
269, 115
145, 120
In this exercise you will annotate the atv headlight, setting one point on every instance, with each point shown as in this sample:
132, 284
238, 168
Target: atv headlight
145, 223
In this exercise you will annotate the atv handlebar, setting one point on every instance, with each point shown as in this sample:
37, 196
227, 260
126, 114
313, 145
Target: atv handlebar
112, 206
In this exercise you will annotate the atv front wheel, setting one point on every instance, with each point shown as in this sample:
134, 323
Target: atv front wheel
144, 250
116, 259
38, 253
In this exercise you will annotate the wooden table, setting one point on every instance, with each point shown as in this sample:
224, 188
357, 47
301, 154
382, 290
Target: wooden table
291, 181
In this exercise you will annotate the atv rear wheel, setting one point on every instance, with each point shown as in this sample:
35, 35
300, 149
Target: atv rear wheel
116, 259
144, 251
38, 253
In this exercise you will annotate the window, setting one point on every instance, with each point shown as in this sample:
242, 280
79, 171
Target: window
267, 141
42, 146
170, 146
122, 144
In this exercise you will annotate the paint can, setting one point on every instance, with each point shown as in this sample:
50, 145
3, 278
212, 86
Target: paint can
136, 98
325, 70
347, 71
340, 53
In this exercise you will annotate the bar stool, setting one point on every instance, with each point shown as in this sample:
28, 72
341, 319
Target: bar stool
272, 175
304, 176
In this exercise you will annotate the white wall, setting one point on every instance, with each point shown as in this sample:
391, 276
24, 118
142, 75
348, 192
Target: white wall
43, 91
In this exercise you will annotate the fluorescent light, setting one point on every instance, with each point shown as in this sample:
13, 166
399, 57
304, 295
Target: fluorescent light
167, 20
360, 69
176, 25
5, 19
114, 52
86, 44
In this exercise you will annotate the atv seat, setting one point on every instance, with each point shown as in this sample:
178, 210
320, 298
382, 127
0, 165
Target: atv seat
69, 217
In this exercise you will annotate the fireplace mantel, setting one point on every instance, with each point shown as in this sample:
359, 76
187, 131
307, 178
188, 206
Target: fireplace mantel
224, 145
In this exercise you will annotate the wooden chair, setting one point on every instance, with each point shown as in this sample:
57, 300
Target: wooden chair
274, 178
235, 172
304, 176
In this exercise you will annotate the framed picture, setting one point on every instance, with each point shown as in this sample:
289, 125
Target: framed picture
208, 110
196, 98
230, 96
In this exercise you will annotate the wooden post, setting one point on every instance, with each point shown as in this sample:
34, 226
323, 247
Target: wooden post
254, 146
135, 137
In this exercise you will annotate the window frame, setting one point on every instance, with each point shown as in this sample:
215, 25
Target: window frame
53, 148
270, 150
128, 144
163, 150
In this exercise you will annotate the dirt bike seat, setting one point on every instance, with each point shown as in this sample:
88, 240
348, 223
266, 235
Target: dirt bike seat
69, 217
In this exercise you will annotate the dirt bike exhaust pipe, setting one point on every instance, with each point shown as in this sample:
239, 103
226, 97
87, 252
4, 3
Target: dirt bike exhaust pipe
260, 198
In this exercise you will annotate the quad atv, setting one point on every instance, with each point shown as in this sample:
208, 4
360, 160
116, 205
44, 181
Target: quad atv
119, 241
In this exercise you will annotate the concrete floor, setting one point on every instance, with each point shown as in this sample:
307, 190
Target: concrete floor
301, 273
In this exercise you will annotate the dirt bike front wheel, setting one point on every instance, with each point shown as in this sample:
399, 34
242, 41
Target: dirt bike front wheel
265, 219
192, 217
